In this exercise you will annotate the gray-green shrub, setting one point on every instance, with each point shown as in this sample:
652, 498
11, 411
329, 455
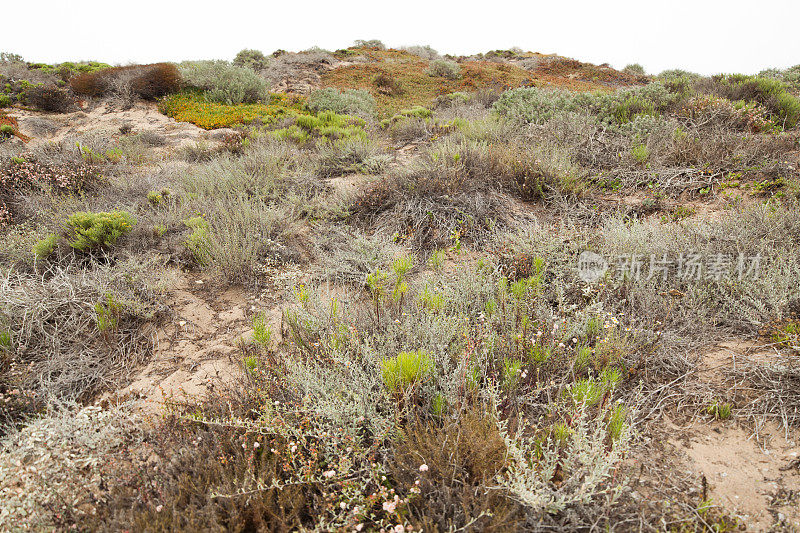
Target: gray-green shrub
224, 82
356, 102
444, 68
252, 59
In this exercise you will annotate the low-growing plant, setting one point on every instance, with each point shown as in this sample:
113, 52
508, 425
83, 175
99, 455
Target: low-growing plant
197, 242
719, 410
406, 370
45, 247
197, 109
262, 333
88, 231
107, 314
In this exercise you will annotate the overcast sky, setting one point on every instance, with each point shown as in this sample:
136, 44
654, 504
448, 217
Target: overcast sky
706, 36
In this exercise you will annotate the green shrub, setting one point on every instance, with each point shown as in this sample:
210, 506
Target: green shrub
534, 105
640, 153
406, 369
356, 102
87, 231
444, 68
6, 130
252, 59
223, 82
771, 93
262, 333
635, 69
5, 341
198, 240
327, 125
537, 106
107, 313
45, 247
5, 100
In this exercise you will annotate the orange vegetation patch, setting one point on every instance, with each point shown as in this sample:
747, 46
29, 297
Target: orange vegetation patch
5, 119
413, 86
603, 75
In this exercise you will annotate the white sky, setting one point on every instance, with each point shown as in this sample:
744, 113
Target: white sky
706, 36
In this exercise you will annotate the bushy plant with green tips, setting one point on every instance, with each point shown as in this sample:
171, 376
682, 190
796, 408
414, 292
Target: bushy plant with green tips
5, 341
87, 231
431, 300
436, 259
262, 333
406, 370
617, 421
325, 126
719, 410
107, 313
640, 153
512, 373
197, 242
586, 392
45, 247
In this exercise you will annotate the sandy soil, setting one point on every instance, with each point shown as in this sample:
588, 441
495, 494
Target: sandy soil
757, 480
142, 117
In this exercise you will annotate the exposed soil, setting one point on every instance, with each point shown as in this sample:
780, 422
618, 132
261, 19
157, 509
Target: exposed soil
142, 117
756, 480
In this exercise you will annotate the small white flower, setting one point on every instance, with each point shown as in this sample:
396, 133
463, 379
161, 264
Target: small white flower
423, 468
